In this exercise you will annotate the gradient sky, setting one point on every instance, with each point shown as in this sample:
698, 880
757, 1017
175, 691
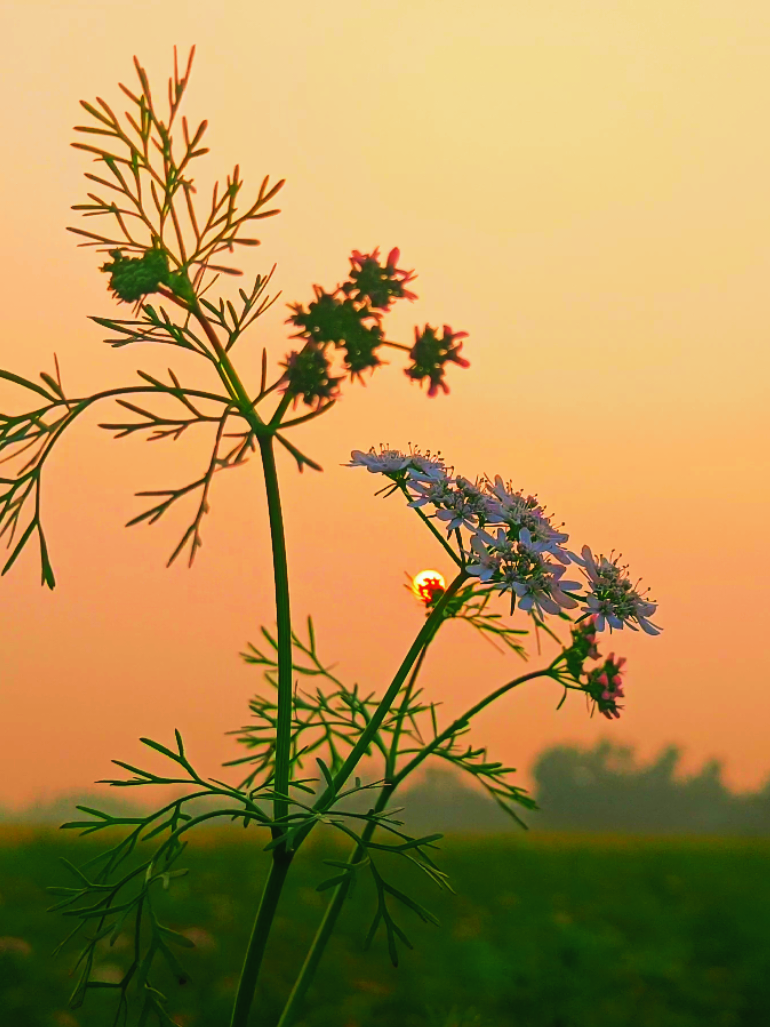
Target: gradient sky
582, 187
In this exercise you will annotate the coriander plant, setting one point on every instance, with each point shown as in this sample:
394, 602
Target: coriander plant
499, 540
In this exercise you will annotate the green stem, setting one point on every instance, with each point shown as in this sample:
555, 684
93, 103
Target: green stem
390, 767
283, 617
327, 925
426, 520
423, 638
463, 720
279, 868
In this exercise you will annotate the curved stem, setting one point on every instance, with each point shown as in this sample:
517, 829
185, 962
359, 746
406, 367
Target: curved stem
390, 767
423, 638
462, 720
225, 369
279, 868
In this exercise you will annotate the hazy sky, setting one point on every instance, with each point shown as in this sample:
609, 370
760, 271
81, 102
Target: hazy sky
582, 187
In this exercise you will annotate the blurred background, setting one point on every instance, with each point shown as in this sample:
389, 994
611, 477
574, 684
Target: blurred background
582, 187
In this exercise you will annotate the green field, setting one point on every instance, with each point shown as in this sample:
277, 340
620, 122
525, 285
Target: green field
551, 931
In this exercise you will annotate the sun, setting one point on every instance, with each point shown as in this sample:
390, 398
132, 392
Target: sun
426, 584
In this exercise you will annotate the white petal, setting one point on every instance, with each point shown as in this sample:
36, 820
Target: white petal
649, 627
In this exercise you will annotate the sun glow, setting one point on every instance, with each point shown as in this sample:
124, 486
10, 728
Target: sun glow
426, 584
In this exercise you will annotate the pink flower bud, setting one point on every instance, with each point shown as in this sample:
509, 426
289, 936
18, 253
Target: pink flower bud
603, 680
617, 680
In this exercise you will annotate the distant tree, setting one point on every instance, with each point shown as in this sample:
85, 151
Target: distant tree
605, 789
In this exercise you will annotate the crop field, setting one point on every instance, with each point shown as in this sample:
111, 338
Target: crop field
543, 931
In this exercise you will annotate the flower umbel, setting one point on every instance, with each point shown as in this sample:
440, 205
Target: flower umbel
613, 598
517, 511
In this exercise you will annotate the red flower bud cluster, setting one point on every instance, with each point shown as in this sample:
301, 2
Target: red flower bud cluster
585, 633
583, 646
605, 686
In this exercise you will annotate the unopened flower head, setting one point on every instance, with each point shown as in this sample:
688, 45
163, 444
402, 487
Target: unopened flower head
605, 686
329, 319
377, 285
430, 353
583, 646
584, 638
131, 278
307, 375
613, 598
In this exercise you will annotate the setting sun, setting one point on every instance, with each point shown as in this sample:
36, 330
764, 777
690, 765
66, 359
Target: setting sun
426, 584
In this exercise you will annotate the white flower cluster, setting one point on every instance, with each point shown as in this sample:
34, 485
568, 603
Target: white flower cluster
525, 556
612, 597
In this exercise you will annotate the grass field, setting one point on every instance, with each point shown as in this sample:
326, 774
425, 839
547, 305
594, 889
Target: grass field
550, 931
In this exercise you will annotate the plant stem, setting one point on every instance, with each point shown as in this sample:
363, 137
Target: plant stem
327, 925
283, 617
424, 636
268, 904
426, 520
390, 768
462, 720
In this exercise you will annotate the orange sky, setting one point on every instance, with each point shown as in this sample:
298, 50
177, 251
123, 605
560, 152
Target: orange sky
580, 187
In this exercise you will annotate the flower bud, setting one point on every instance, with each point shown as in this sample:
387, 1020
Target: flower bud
430, 353
379, 286
307, 375
134, 277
